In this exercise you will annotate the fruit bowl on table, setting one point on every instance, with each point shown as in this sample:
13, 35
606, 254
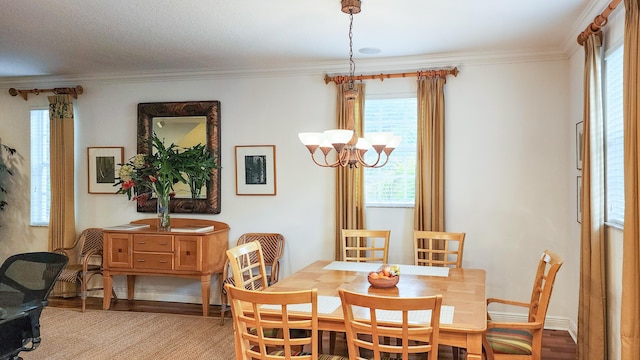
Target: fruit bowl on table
385, 277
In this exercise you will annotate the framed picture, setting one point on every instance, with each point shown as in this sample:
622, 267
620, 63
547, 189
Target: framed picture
579, 197
104, 163
579, 127
256, 170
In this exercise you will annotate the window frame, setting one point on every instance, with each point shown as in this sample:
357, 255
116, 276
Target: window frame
389, 96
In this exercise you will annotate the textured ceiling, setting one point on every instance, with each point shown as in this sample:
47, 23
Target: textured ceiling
83, 37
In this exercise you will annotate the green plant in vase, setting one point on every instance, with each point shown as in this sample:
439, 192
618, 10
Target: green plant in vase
197, 163
146, 175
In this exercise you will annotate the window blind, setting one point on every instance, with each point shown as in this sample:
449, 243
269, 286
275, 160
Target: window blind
614, 140
393, 184
40, 168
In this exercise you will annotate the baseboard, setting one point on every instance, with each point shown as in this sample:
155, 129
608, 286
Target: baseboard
551, 323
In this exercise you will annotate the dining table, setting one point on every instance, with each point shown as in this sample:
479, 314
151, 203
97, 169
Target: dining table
463, 317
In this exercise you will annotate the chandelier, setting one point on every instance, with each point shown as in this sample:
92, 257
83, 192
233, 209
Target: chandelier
349, 149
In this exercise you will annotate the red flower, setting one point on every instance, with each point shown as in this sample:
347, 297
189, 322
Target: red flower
128, 184
152, 178
172, 195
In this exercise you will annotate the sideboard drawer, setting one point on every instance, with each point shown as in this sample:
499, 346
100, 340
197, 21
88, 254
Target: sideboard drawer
155, 243
153, 261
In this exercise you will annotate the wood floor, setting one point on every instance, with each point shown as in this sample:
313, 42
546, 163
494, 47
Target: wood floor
557, 344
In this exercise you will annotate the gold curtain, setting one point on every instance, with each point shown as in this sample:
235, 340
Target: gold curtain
429, 206
349, 182
630, 308
592, 333
62, 231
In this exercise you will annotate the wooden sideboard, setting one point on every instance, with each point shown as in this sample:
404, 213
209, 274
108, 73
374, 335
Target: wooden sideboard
196, 255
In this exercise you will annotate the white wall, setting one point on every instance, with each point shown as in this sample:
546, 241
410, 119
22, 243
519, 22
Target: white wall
508, 148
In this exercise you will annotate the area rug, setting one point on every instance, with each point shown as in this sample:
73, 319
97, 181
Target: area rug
107, 334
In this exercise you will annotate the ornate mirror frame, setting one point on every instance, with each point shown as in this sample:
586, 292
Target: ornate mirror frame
208, 109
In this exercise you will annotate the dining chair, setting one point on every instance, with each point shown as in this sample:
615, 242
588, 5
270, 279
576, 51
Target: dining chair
362, 245
295, 313
247, 266
272, 245
523, 340
85, 262
437, 248
371, 320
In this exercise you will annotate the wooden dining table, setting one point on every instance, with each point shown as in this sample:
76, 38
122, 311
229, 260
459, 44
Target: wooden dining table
462, 290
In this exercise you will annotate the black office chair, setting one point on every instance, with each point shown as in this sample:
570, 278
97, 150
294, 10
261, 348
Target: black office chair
25, 283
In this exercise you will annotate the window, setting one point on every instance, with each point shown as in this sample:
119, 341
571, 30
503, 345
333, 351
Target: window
40, 174
393, 185
613, 120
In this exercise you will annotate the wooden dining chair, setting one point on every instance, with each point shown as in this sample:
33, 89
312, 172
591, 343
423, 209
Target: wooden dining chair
247, 266
295, 313
362, 245
437, 248
372, 320
523, 340
272, 245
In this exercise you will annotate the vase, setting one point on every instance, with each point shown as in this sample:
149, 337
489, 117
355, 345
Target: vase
164, 221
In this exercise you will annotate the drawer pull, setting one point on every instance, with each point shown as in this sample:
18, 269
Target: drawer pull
162, 261
142, 242
163, 244
140, 260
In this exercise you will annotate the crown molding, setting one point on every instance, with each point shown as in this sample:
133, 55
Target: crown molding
388, 65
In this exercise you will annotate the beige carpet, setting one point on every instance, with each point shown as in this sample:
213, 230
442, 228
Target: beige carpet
98, 334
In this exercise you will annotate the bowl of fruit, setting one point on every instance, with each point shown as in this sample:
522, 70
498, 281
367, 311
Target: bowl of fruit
385, 277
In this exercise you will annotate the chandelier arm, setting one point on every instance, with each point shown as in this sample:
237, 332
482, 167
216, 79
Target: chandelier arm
326, 163
360, 159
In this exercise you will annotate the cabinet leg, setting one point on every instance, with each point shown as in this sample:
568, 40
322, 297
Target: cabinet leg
205, 282
131, 286
107, 286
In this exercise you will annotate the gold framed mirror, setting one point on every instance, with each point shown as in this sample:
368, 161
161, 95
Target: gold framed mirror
153, 115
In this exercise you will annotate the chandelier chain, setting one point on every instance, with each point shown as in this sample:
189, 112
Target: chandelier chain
352, 64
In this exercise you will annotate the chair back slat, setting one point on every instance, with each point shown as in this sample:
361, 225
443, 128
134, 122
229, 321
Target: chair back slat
374, 333
548, 267
256, 313
247, 266
437, 248
361, 245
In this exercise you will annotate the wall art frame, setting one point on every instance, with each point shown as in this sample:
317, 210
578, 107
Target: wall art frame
103, 165
256, 170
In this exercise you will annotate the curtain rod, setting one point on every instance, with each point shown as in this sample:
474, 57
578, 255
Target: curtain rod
75, 91
599, 22
339, 79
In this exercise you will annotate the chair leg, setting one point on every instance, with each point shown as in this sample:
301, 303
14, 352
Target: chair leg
332, 342
223, 306
83, 292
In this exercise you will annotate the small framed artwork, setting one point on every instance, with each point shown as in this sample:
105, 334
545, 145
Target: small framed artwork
579, 197
104, 163
579, 144
256, 170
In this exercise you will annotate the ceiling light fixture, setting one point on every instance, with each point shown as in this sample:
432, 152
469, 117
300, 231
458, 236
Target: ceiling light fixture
349, 148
